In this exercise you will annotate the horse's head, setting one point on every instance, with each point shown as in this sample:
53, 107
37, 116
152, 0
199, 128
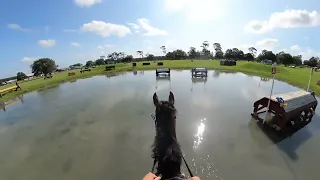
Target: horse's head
165, 114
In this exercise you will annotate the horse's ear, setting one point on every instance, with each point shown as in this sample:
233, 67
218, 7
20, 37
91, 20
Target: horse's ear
155, 99
171, 98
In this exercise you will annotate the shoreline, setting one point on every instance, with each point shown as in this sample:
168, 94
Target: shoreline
260, 70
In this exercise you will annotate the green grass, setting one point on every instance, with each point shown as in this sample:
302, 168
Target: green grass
296, 76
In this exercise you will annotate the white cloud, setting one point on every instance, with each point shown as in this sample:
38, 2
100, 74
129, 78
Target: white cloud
17, 27
197, 10
105, 46
244, 47
47, 43
106, 29
135, 27
280, 50
295, 48
267, 44
286, 19
308, 53
28, 59
148, 30
75, 44
86, 3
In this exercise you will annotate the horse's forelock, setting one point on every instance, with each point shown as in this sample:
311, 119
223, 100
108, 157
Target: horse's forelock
166, 106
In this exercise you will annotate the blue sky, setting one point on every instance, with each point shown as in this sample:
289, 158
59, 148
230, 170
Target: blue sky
71, 31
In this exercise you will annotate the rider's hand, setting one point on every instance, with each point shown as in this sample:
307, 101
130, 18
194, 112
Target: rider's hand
151, 176
195, 178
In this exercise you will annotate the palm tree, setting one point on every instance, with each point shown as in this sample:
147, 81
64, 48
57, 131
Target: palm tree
121, 55
253, 51
164, 50
140, 53
205, 45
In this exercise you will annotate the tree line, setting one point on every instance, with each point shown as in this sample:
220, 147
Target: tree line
205, 53
46, 65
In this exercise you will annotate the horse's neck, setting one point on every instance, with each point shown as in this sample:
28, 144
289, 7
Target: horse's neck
169, 132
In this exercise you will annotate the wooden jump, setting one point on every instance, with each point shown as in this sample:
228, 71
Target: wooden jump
110, 67
71, 73
224, 62
6, 90
48, 76
288, 111
84, 70
199, 72
165, 71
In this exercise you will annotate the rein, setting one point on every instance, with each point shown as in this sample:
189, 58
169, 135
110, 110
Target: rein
155, 160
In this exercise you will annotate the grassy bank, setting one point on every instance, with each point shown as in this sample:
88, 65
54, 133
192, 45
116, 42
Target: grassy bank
295, 76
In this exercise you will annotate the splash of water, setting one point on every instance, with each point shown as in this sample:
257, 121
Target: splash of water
204, 168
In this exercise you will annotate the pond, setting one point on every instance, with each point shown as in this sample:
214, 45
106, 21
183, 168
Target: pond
101, 128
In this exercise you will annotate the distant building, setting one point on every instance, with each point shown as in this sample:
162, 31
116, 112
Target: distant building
29, 76
266, 61
11, 81
75, 67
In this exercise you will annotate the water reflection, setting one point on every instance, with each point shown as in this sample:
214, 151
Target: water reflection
135, 72
199, 80
5, 104
73, 81
217, 73
265, 79
163, 78
199, 134
49, 87
265, 137
61, 131
114, 74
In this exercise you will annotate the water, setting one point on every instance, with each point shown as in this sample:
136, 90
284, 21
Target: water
101, 128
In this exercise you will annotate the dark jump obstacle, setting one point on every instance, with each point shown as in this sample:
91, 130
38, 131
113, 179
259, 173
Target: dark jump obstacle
289, 112
71, 73
165, 71
109, 67
84, 70
224, 62
202, 72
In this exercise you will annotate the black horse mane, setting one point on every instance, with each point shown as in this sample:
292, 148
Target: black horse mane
165, 149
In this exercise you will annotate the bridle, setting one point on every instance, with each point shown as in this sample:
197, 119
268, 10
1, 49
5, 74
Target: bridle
156, 160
